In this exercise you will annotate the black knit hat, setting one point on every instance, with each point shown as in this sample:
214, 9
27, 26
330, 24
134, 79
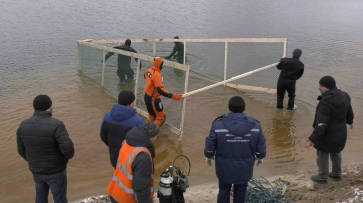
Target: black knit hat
236, 104
151, 129
128, 42
42, 103
297, 53
328, 82
126, 97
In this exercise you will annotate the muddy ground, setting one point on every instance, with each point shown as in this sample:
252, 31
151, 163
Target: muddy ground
302, 189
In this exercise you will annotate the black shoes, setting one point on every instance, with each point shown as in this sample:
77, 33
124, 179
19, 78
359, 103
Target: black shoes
336, 178
316, 179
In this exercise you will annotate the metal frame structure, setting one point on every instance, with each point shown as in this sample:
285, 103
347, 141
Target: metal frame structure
98, 45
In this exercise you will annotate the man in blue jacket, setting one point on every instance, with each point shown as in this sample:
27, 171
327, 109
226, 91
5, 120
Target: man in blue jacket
235, 140
118, 122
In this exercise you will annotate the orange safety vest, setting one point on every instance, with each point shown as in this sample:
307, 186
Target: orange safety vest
121, 186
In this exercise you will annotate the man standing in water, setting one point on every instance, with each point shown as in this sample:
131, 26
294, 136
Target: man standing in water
235, 140
124, 63
44, 143
178, 52
291, 70
333, 113
154, 90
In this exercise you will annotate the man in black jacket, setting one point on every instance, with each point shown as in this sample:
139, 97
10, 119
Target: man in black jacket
333, 112
291, 70
124, 62
44, 143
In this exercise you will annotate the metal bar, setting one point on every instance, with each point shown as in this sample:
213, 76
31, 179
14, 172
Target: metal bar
225, 60
270, 40
285, 47
103, 68
154, 49
185, 50
253, 88
137, 78
79, 56
135, 55
184, 103
229, 80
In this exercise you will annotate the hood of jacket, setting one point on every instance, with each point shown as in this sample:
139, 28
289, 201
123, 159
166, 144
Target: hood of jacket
157, 63
121, 113
238, 123
137, 137
334, 97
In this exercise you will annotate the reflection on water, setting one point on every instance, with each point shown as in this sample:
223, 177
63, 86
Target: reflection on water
282, 140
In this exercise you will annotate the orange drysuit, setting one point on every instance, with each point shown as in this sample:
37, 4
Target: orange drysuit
154, 90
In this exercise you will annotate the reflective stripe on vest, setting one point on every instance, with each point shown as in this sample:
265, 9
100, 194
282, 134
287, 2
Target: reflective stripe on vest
121, 186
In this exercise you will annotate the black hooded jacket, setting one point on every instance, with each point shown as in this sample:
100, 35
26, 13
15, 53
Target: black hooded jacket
333, 113
291, 68
142, 164
44, 143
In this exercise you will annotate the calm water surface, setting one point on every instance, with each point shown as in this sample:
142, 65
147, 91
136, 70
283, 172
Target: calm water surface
38, 56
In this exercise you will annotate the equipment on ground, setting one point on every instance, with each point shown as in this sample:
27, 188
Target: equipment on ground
173, 184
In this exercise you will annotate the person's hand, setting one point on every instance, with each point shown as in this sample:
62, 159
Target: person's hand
209, 161
259, 162
177, 97
309, 143
351, 126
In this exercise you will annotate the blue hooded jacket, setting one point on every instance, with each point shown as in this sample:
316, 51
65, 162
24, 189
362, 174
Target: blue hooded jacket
114, 127
235, 139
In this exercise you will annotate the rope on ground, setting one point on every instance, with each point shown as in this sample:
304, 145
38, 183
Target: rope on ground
258, 192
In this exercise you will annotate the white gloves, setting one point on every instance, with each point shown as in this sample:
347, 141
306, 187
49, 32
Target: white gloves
259, 162
209, 161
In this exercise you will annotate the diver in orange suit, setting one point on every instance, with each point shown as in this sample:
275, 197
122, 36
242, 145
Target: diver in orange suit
154, 90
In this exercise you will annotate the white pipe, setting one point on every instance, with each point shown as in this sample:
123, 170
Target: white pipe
225, 60
79, 56
285, 47
154, 49
229, 80
103, 68
137, 78
185, 49
184, 103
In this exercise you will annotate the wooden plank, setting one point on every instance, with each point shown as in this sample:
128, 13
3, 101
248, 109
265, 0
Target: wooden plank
245, 40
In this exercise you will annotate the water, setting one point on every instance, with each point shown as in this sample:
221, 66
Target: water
38, 55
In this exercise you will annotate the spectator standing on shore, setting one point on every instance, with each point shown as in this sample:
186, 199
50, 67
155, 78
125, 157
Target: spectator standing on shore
235, 140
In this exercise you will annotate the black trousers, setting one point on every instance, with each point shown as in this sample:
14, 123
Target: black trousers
125, 70
284, 85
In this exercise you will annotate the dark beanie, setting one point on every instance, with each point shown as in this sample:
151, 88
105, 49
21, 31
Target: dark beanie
126, 97
297, 53
328, 82
128, 42
42, 103
236, 104
151, 129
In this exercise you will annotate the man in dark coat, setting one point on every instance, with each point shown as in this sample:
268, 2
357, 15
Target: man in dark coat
178, 52
291, 70
118, 122
235, 140
124, 63
44, 143
333, 113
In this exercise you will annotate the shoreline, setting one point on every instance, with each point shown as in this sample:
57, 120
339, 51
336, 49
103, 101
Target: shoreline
302, 189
